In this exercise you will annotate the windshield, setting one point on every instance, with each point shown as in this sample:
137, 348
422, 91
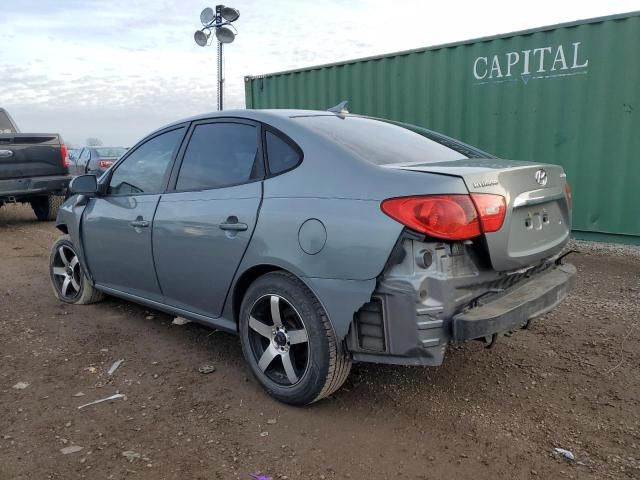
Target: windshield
111, 152
385, 142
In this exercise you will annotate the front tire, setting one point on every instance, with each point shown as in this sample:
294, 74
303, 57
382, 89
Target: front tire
70, 284
288, 341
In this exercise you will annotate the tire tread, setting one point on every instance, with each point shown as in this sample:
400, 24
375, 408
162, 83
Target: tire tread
339, 362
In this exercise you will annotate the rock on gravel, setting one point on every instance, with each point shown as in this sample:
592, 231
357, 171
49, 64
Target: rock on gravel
70, 449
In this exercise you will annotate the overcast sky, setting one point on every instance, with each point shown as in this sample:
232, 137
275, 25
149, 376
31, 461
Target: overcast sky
118, 69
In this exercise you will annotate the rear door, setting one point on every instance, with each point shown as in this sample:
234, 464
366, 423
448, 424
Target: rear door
203, 227
116, 227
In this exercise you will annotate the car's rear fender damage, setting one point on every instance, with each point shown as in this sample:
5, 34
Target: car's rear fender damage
433, 293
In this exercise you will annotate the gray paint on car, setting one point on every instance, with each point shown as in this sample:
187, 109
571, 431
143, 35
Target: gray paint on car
333, 184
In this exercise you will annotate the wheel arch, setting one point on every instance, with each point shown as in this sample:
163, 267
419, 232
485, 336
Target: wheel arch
243, 283
341, 299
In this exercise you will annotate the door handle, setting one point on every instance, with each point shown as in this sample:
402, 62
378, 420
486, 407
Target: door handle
232, 224
139, 223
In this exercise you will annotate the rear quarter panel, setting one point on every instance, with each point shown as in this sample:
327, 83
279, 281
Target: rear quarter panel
322, 222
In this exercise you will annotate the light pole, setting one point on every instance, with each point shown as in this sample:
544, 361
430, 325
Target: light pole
220, 21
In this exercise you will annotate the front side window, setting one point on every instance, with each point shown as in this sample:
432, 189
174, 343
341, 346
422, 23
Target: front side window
144, 171
280, 155
220, 155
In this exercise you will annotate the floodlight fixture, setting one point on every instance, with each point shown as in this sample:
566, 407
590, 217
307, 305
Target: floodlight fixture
207, 16
229, 14
201, 37
225, 35
220, 21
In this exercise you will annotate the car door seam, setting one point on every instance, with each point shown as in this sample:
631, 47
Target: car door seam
253, 231
153, 254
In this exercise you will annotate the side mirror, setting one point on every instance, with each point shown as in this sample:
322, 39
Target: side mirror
84, 185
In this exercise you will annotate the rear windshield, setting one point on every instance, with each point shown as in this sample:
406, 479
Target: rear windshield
384, 142
5, 124
110, 151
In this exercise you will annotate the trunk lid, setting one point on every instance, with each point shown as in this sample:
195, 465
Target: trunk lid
25, 155
537, 224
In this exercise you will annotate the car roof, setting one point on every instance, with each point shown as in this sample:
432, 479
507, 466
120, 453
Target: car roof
261, 115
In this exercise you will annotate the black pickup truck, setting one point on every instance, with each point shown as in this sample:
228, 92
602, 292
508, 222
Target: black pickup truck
34, 168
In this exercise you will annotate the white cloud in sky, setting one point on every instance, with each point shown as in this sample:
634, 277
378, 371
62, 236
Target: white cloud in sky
119, 69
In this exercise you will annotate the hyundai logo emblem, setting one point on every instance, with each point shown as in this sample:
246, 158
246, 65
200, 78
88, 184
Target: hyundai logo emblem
541, 177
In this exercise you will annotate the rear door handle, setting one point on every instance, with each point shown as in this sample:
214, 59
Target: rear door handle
139, 223
234, 225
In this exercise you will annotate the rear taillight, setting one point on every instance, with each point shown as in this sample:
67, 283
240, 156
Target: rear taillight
568, 196
491, 210
450, 217
105, 163
64, 155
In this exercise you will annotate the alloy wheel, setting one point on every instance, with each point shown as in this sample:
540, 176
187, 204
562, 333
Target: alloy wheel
278, 339
66, 272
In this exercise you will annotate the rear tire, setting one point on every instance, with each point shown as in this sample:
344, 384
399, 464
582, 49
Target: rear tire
296, 357
70, 284
46, 208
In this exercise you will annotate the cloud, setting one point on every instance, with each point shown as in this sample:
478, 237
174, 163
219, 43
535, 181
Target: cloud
120, 69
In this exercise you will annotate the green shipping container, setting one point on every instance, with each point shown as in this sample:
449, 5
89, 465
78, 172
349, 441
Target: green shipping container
566, 94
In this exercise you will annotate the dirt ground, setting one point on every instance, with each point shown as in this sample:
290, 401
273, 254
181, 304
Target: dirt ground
571, 381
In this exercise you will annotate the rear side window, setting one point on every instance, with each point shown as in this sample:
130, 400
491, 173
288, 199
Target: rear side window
6, 126
383, 142
145, 170
220, 155
113, 152
280, 155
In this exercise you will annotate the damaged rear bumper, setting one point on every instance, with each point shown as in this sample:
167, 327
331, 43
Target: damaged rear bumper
419, 308
534, 298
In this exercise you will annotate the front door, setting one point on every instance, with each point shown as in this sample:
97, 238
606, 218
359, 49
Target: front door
202, 229
116, 228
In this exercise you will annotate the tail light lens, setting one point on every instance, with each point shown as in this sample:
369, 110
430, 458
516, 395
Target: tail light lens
105, 163
449, 217
568, 195
491, 209
64, 155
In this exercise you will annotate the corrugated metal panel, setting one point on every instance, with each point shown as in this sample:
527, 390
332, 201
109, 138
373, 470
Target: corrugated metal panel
575, 103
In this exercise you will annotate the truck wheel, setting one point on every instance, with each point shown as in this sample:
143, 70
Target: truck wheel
46, 208
69, 282
288, 342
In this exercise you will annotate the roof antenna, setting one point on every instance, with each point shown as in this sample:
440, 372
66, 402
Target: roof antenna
341, 108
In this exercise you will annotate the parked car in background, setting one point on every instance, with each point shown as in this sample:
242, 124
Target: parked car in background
96, 160
33, 168
321, 239
72, 155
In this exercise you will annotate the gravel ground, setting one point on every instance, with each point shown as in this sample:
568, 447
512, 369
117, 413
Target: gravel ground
570, 381
605, 249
